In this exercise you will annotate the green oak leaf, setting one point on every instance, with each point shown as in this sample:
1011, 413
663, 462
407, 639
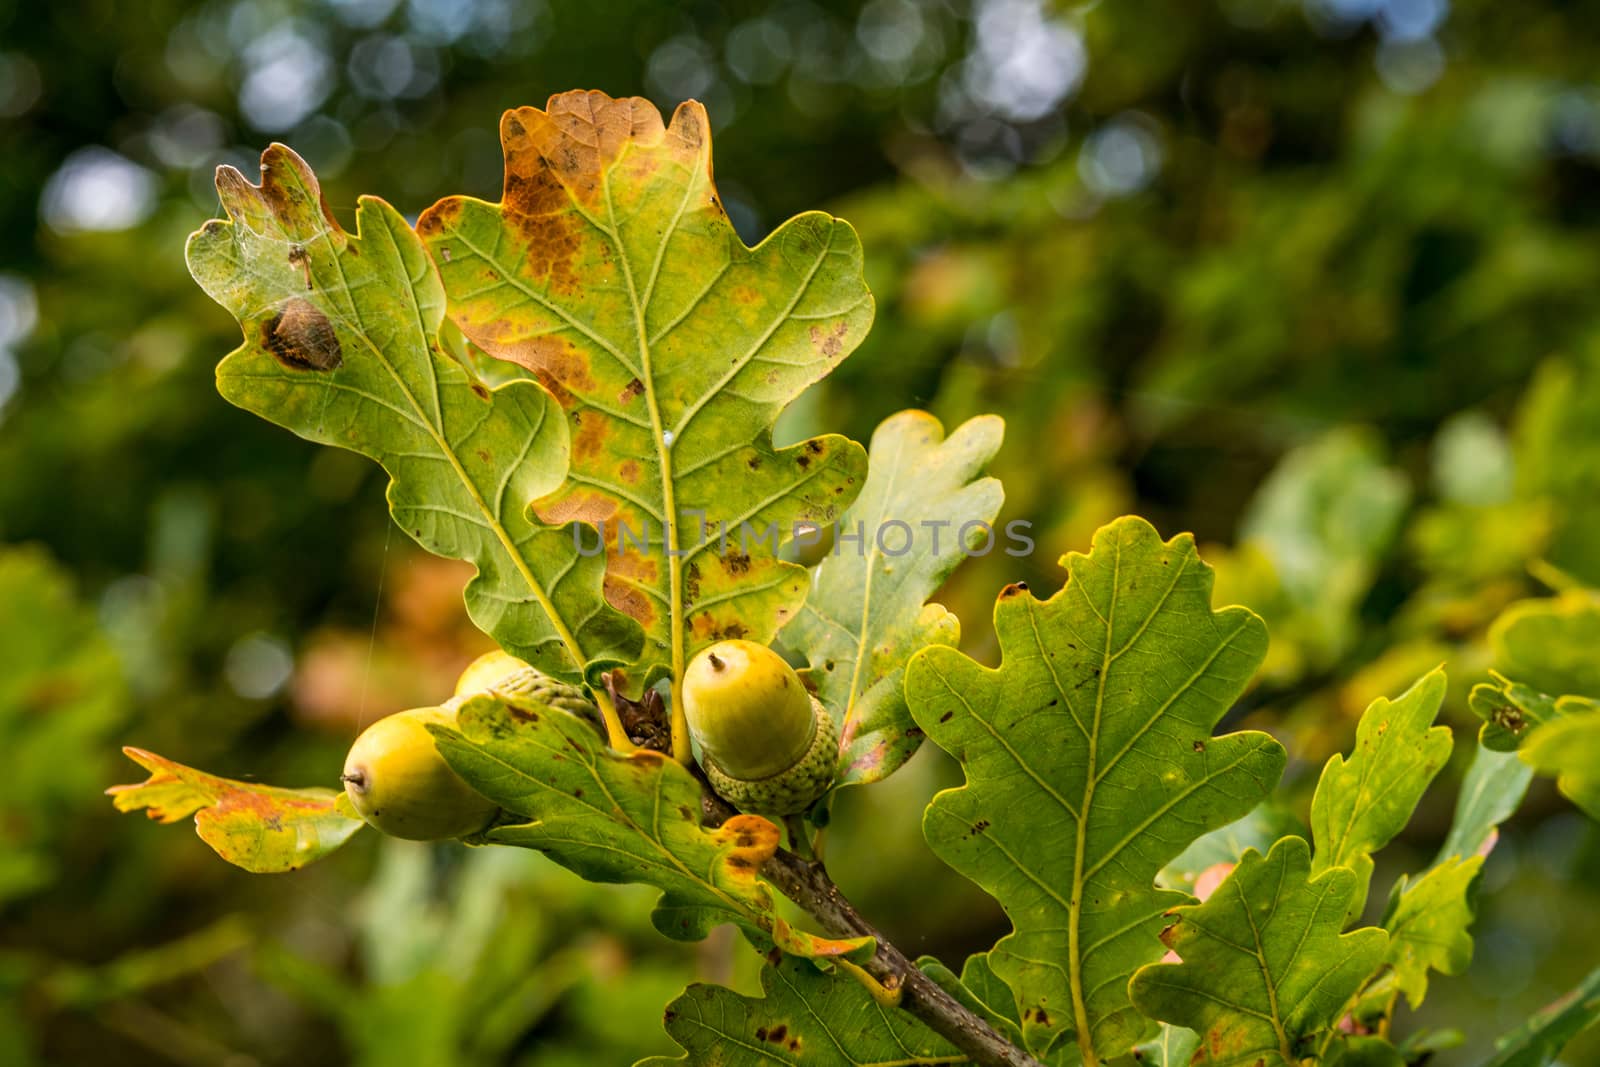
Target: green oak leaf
1569, 751
1429, 922
1090, 765
1511, 711
1429, 918
1540, 1040
262, 828
1492, 789
1348, 1050
1174, 1046
341, 348
610, 269
982, 992
1210, 857
1362, 802
621, 818
1549, 644
1544, 699
1265, 965
806, 1017
867, 612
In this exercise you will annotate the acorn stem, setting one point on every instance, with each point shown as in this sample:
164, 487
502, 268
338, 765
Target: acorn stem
682, 747
616, 736
799, 840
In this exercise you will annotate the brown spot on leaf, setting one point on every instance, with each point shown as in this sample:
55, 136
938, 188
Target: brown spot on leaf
442, 214
589, 436
301, 337
630, 392
691, 585
628, 600
829, 342
560, 365
625, 573
629, 471
481, 390
689, 126
578, 506
736, 563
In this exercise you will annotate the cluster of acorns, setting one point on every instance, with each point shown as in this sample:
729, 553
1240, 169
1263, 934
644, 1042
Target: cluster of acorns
767, 745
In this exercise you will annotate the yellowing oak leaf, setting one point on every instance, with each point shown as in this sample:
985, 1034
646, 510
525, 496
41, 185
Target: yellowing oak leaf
262, 828
611, 271
341, 347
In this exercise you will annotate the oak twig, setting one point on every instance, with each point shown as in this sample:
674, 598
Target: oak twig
808, 885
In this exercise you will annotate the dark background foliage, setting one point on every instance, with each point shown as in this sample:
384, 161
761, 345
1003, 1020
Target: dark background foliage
1172, 243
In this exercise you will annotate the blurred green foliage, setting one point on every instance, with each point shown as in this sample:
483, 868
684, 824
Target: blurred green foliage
1313, 280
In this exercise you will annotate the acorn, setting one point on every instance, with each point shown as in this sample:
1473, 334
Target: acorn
501, 672
400, 784
767, 746
487, 671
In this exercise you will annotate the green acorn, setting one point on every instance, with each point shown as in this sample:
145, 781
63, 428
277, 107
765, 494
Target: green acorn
501, 672
767, 746
400, 784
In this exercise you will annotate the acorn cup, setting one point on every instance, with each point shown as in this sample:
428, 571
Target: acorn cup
501, 672
767, 746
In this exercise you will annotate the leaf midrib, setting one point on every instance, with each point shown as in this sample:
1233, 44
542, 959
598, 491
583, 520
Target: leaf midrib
663, 449
1080, 1007
673, 862
852, 694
